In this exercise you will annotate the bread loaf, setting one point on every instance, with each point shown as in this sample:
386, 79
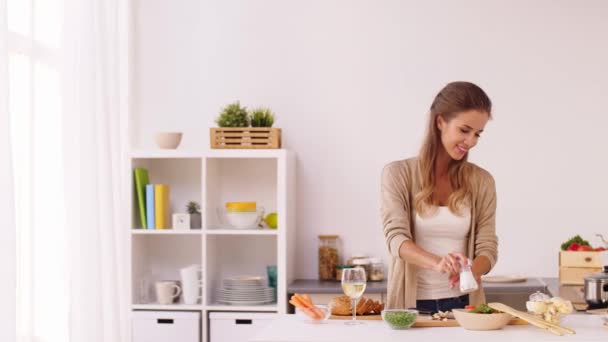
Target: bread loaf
341, 306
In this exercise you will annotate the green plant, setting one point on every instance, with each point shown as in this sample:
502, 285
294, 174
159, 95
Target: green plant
233, 115
262, 117
193, 208
576, 239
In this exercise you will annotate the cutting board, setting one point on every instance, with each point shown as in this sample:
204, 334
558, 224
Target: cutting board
422, 321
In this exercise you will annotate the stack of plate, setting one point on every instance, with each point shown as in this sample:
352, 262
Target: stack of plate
246, 291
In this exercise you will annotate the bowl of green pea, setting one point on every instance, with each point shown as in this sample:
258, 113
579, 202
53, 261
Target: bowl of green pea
399, 318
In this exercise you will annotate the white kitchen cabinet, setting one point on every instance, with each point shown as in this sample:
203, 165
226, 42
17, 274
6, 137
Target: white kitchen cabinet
237, 326
212, 178
166, 326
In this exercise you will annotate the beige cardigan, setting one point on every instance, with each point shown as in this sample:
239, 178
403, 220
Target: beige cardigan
400, 182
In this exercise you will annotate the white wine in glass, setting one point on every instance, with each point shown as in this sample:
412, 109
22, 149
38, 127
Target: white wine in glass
353, 285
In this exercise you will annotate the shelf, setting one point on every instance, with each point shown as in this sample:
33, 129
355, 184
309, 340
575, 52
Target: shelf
171, 307
167, 232
241, 232
210, 153
246, 153
221, 307
169, 154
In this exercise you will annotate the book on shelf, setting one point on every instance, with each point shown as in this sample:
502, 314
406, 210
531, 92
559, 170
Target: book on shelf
141, 180
161, 206
150, 203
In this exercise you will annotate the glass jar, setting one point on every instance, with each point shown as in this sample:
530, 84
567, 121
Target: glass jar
376, 269
339, 270
329, 256
363, 263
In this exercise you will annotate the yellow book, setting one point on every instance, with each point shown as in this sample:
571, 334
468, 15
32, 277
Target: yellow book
161, 206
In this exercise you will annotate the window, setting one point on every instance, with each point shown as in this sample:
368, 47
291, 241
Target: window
36, 138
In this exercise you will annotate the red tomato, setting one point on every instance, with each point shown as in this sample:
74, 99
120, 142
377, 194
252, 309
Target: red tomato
469, 307
573, 246
585, 248
599, 249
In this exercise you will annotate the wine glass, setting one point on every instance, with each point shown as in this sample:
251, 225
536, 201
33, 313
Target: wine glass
353, 285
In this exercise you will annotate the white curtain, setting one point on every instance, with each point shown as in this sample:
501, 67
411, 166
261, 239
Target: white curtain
8, 240
94, 140
69, 146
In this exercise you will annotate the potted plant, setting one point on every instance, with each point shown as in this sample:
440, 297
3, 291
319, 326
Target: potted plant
233, 115
193, 209
262, 117
241, 129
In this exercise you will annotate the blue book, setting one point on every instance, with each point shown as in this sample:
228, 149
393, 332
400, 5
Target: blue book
150, 206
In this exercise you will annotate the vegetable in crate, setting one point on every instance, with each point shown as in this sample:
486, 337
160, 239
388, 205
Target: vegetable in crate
574, 243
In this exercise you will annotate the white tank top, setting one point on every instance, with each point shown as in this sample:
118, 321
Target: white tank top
440, 234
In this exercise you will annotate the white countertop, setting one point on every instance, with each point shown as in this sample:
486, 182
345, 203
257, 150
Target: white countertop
296, 328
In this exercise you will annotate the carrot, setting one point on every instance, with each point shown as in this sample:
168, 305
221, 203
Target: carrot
307, 297
307, 303
300, 303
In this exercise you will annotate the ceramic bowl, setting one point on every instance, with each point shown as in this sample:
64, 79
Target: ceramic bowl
168, 140
241, 219
479, 321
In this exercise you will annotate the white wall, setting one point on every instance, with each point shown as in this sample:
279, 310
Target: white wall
351, 82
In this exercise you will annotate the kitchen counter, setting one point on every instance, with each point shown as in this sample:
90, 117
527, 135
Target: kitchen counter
295, 328
329, 286
513, 294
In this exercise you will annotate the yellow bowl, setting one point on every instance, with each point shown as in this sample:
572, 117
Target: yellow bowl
479, 321
240, 206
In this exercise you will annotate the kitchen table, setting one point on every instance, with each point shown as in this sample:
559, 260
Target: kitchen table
295, 328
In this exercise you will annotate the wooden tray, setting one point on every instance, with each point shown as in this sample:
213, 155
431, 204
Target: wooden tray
422, 321
245, 137
503, 279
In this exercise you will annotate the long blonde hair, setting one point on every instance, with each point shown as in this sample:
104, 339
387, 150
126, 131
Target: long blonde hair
454, 98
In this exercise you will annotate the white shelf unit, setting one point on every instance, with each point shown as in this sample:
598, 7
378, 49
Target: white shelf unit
213, 177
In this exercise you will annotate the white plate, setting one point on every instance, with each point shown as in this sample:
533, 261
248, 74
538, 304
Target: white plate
244, 278
235, 302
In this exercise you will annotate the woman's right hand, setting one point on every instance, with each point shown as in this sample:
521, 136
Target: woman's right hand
450, 263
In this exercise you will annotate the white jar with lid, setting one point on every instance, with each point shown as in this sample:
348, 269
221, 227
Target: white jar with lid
355, 257
376, 269
363, 263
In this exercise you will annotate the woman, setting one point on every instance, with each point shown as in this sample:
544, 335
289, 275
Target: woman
438, 209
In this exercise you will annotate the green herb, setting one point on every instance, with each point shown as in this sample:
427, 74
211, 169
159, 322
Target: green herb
233, 116
399, 319
262, 117
578, 239
483, 309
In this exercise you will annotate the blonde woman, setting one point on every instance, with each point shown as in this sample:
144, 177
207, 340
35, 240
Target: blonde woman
438, 209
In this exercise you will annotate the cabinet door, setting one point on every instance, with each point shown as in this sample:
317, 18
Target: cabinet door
237, 327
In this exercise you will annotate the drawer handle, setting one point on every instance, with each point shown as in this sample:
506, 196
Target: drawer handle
243, 321
164, 321
588, 259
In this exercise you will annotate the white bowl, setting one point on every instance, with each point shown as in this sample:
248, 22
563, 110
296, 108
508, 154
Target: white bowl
168, 140
243, 219
480, 321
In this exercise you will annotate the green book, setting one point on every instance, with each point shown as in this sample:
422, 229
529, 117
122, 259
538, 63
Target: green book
141, 180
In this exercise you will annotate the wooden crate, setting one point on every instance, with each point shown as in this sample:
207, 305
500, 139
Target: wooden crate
245, 137
575, 266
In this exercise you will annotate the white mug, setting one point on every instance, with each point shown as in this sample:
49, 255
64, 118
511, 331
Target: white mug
191, 283
166, 291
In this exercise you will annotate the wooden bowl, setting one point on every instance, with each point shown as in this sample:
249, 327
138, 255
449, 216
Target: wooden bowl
478, 321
